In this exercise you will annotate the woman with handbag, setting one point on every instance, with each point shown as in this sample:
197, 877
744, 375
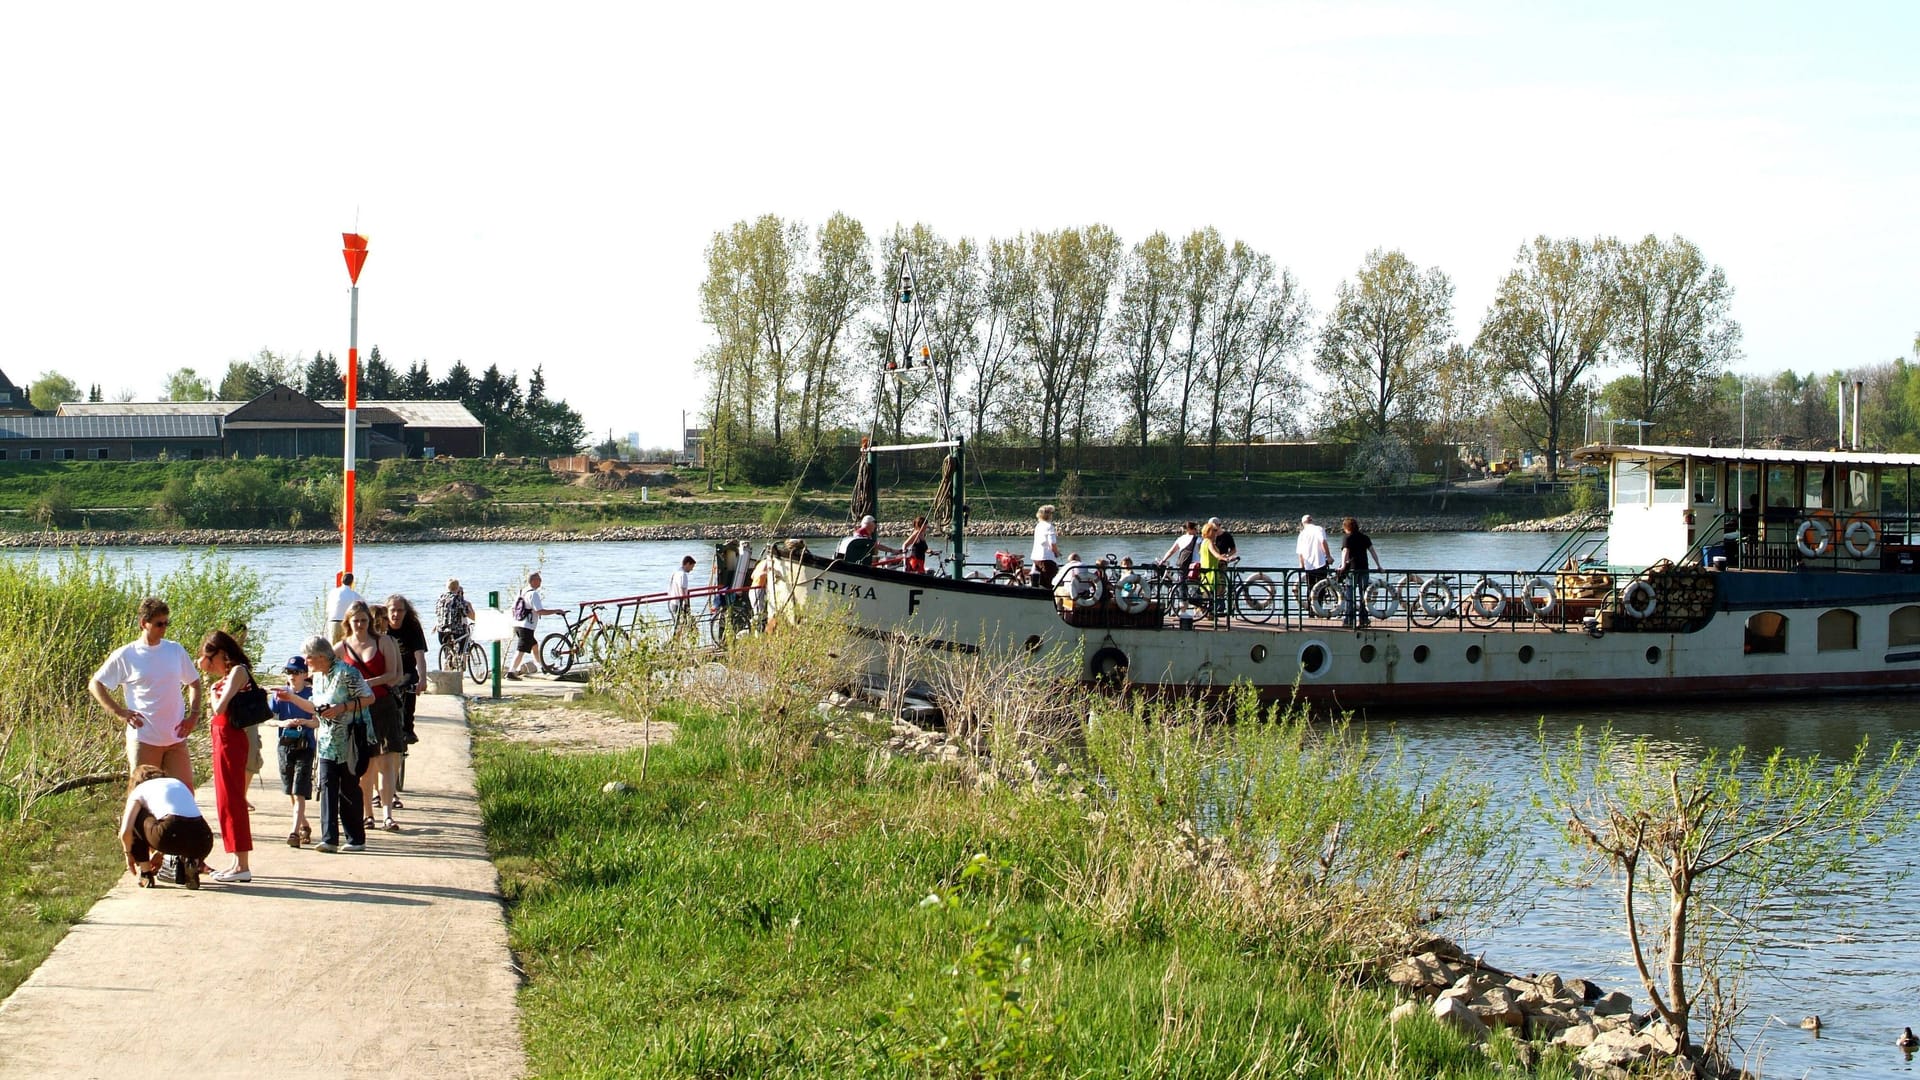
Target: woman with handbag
340, 699
376, 656
234, 699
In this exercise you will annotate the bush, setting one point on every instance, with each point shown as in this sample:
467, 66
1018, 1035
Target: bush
1067, 500
54, 508
1143, 494
763, 466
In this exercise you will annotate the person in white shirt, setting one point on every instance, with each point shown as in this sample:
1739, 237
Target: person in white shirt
1315, 559
339, 600
523, 627
1186, 547
162, 819
1046, 548
679, 605
152, 671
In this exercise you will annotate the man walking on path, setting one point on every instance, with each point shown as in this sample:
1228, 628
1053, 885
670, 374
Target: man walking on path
153, 671
338, 601
527, 609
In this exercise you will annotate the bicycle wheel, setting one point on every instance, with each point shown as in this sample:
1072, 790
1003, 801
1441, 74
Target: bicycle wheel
1259, 599
557, 654
476, 662
607, 643
452, 657
716, 621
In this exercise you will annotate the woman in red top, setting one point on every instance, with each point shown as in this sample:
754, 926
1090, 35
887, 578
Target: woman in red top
221, 658
377, 657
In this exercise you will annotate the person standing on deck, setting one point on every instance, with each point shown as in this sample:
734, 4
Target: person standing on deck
1355, 548
1046, 548
1186, 547
1316, 559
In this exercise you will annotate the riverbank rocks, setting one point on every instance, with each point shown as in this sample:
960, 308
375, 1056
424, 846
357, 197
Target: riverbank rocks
1574, 522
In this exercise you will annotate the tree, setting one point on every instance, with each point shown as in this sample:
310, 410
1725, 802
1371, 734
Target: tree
93, 394
242, 382
1720, 839
377, 377
321, 379
833, 292
1203, 264
186, 385
1143, 331
1383, 344
1245, 285
1268, 386
458, 385
988, 367
1547, 329
1072, 273
50, 390
1673, 328
417, 385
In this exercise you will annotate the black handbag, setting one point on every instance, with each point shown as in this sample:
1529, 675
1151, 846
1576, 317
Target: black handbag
248, 707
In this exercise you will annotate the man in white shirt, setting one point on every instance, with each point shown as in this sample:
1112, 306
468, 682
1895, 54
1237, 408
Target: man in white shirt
1046, 548
338, 601
1315, 559
152, 671
679, 604
523, 646
160, 819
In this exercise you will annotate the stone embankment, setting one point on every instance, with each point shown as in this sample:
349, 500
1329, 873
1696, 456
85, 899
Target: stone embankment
1574, 1013
1574, 522
518, 534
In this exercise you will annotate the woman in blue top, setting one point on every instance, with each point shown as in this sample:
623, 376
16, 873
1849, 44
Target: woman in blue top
343, 740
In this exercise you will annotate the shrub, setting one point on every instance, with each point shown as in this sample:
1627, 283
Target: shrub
54, 508
763, 466
1148, 493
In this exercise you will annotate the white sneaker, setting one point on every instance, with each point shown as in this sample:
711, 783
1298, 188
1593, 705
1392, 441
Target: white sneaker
233, 876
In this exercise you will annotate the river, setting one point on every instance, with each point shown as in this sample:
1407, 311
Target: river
1857, 971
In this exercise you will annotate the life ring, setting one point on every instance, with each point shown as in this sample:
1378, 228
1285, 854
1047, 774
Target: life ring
1327, 600
1871, 546
1542, 598
1131, 592
1638, 599
1382, 600
1810, 527
1436, 597
1489, 600
1082, 585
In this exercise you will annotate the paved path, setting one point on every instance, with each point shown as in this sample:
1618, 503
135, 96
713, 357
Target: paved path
391, 963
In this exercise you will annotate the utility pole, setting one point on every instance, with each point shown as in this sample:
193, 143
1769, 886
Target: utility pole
355, 250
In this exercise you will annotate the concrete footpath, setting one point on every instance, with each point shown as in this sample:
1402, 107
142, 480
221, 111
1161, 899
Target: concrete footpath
392, 962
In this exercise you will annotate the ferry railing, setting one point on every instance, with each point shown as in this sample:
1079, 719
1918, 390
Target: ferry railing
1788, 538
1286, 598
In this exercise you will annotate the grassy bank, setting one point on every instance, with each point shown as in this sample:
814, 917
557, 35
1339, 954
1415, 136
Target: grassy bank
53, 867
775, 897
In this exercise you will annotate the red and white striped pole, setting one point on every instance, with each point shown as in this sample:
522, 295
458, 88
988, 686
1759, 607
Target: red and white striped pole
356, 253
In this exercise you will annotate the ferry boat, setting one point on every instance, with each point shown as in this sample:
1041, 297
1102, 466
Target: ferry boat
1722, 573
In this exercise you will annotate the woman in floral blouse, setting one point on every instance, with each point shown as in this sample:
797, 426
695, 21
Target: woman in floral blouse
340, 701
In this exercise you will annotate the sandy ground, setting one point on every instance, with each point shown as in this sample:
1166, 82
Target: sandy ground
391, 963
566, 728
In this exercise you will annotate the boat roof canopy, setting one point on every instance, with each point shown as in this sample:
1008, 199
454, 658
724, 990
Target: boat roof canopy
1602, 453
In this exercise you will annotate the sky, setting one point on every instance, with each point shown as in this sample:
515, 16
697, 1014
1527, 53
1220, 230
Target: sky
539, 182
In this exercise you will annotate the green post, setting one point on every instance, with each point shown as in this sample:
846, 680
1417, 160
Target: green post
493, 601
958, 561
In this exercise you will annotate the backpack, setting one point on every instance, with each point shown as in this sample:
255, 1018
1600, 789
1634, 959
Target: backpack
520, 608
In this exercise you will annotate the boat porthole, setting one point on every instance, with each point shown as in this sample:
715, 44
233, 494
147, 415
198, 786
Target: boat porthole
1473, 654
1366, 654
1314, 659
1653, 654
1259, 654
1033, 642
1420, 654
1526, 654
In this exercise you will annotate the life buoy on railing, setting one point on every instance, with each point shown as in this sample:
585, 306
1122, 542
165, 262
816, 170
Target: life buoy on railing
1861, 525
1489, 600
1822, 534
1130, 592
1542, 598
1081, 585
1436, 597
1382, 600
1638, 599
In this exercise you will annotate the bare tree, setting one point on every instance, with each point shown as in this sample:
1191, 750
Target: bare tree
1143, 329
1268, 385
1230, 333
1203, 263
987, 368
1072, 273
833, 292
1548, 328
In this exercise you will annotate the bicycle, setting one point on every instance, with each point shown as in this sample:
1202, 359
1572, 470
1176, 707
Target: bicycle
462, 653
589, 634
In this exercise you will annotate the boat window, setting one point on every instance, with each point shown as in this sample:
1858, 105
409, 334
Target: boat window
1859, 489
1839, 631
1629, 483
1670, 483
1780, 486
1706, 478
1767, 633
1903, 626
1742, 481
1818, 492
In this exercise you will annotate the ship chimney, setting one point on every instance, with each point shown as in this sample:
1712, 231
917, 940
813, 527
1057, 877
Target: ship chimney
1857, 383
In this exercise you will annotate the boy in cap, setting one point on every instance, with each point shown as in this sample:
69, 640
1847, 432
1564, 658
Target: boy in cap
296, 749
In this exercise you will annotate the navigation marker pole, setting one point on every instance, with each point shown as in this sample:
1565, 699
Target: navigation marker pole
356, 253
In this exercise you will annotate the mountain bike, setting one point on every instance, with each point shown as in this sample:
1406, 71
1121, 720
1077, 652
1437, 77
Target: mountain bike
465, 654
588, 635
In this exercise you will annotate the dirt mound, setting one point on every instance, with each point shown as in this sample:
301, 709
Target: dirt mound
457, 489
615, 475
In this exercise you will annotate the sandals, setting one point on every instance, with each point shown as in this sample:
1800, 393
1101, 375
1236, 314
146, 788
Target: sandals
148, 878
397, 804
293, 838
306, 833
368, 823
390, 825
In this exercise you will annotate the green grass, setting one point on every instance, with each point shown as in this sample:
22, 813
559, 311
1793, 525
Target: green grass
53, 866
723, 921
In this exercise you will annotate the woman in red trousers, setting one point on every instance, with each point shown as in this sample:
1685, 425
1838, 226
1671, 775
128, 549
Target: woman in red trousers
221, 658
